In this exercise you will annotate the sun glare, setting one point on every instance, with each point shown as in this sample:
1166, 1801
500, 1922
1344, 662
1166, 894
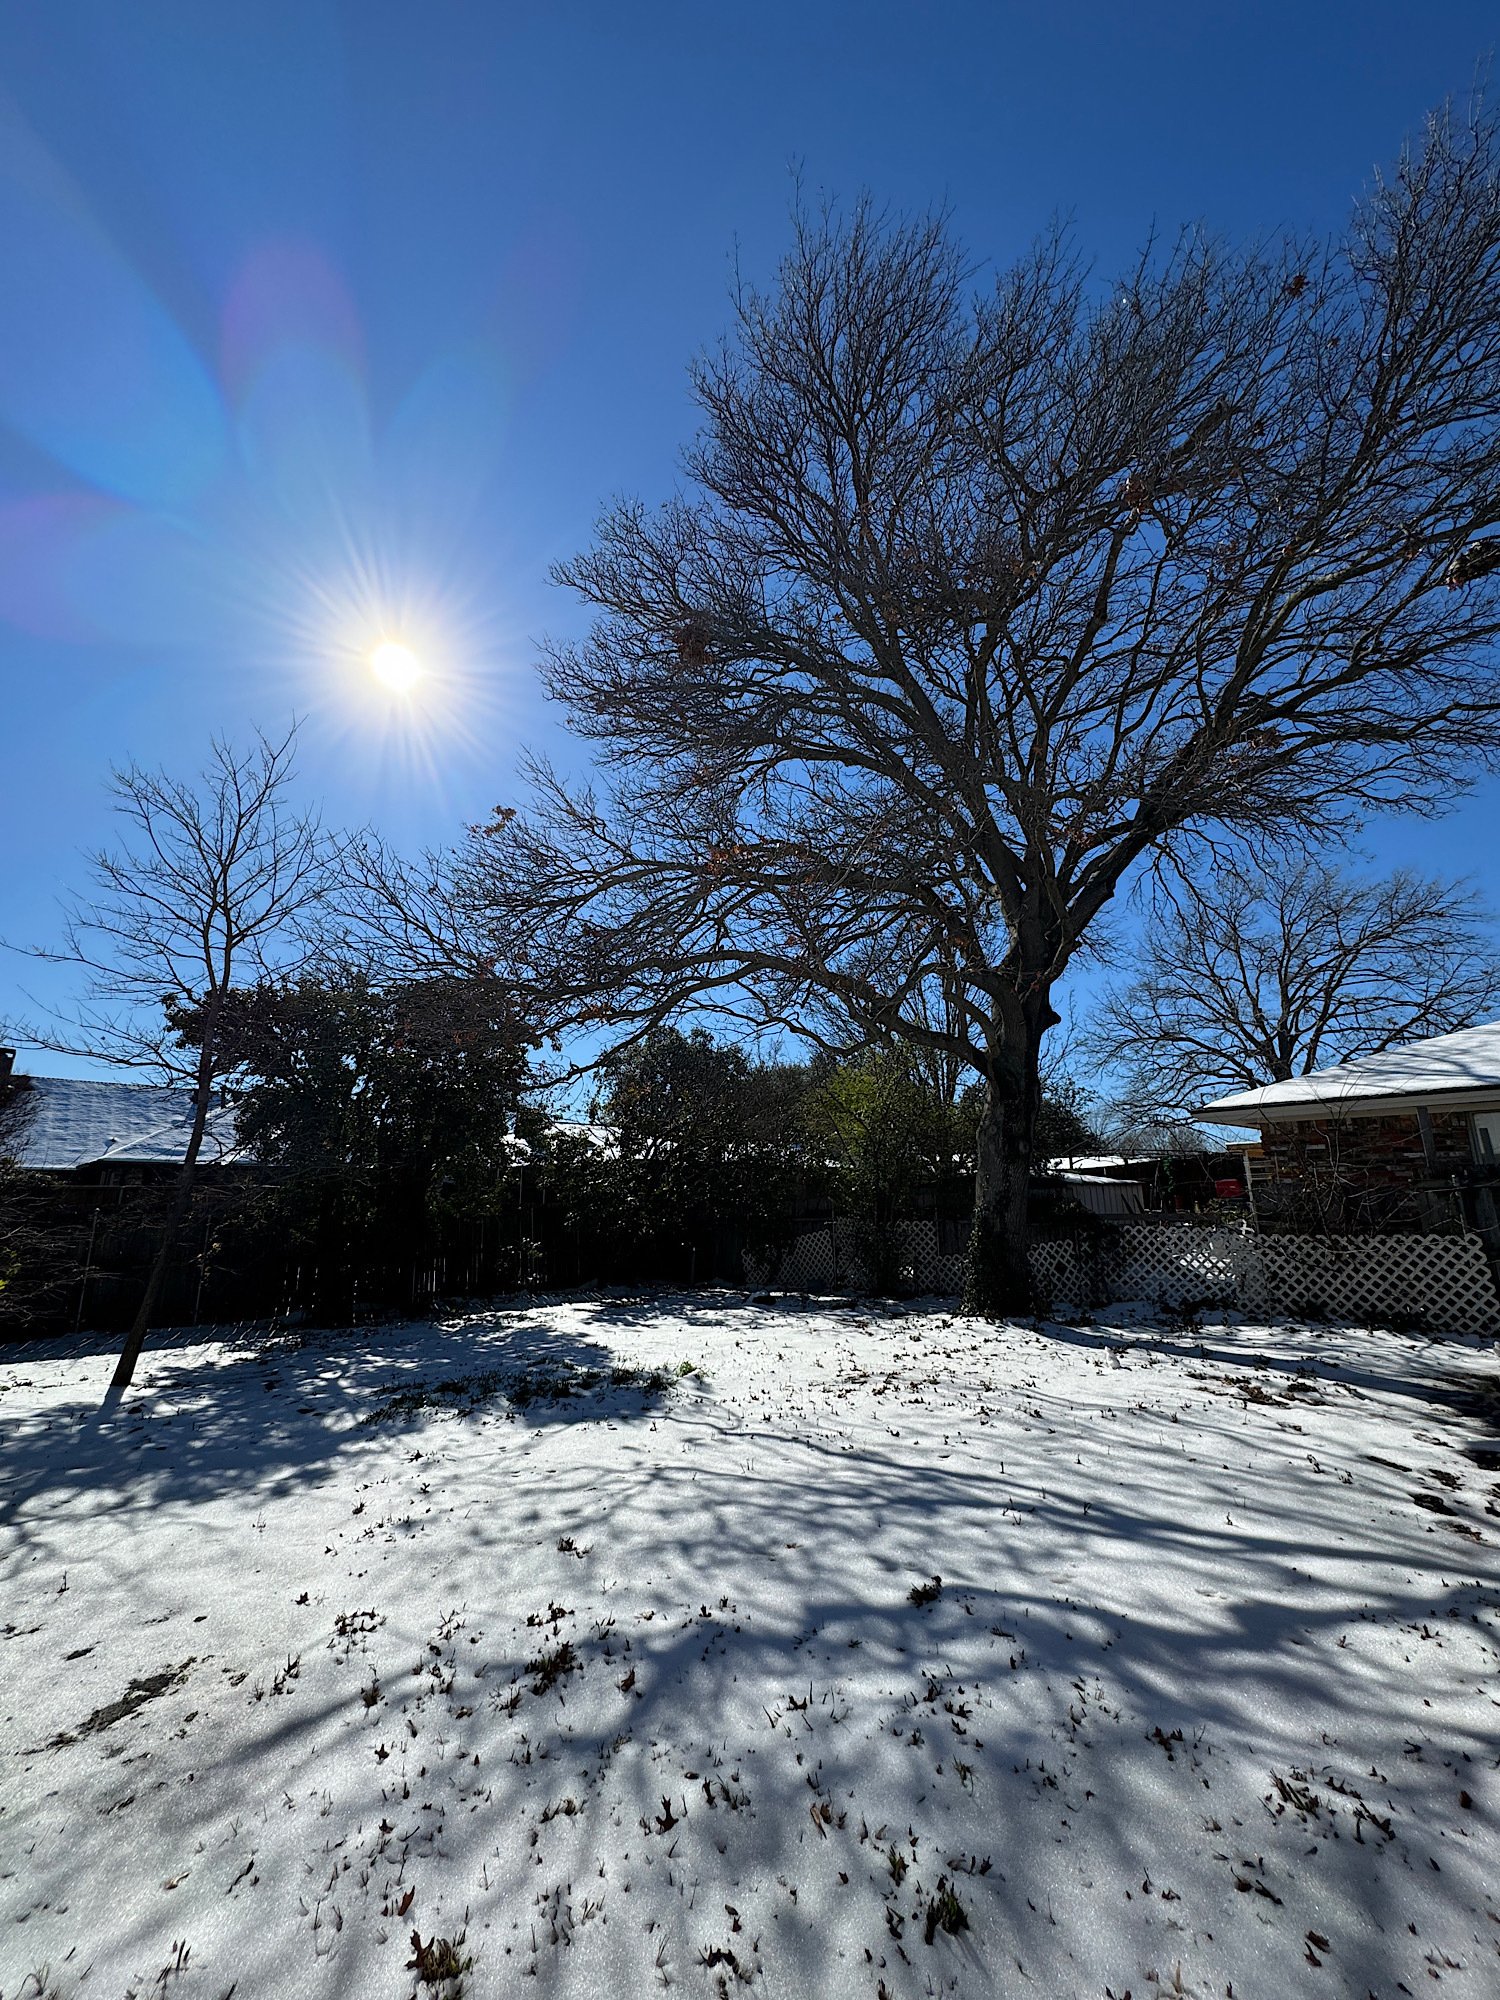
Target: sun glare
395, 666
410, 672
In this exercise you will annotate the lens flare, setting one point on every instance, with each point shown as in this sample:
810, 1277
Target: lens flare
395, 666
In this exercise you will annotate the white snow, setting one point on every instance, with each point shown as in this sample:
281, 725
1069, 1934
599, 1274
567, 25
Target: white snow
1461, 1069
1206, 1700
72, 1121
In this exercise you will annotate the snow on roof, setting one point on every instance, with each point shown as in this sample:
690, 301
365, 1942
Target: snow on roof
75, 1121
1459, 1068
1067, 1163
603, 1138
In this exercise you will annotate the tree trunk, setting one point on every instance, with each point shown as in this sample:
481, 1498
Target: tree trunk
135, 1340
999, 1283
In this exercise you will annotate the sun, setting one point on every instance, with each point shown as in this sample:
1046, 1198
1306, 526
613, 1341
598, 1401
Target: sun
395, 666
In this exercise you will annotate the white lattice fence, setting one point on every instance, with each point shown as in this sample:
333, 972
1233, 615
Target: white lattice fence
1167, 1265
826, 1260
1173, 1265
1445, 1282
929, 1269
812, 1263
1062, 1269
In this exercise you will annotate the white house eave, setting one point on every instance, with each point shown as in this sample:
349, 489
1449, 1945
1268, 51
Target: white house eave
1245, 1112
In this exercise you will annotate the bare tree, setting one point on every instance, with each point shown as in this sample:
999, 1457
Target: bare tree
396, 917
210, 889
975, 604
1246, 978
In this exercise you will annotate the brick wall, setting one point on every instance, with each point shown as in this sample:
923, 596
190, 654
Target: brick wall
1353, 1173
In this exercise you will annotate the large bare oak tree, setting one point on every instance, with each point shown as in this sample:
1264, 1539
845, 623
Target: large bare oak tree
979, 598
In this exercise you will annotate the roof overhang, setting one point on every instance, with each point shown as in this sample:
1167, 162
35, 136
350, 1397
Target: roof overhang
1394, 1104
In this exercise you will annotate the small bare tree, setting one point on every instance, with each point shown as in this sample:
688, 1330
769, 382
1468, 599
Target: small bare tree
210, 889
1246, 978
976, 604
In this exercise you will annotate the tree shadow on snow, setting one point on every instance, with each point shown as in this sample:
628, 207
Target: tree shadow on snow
1424, 1379
268, 1415
1115, 1726
1138, 1643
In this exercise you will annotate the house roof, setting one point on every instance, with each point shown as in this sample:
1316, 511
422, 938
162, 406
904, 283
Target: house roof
603, 1138
74, 1121
1446, 1071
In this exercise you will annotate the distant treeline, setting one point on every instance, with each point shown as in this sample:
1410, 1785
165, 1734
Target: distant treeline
397, 1154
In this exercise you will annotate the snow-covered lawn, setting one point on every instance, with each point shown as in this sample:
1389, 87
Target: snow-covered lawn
885, 1654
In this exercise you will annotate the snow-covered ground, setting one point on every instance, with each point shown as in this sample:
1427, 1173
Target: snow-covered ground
655, 1685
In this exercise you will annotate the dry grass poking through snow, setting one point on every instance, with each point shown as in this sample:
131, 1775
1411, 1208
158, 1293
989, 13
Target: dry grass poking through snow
884, 1654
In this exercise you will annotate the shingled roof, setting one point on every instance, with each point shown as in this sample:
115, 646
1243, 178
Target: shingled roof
74, 1121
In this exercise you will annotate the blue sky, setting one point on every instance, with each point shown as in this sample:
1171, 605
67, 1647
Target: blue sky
325, 319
